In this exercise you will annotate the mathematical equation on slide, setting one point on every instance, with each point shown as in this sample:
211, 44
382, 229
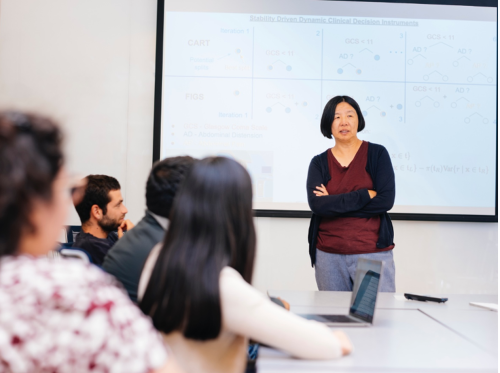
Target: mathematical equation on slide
398, 159
442, 169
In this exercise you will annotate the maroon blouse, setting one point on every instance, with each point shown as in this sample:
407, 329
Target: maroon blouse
349, 235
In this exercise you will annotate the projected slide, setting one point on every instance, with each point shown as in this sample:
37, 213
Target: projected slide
253, 87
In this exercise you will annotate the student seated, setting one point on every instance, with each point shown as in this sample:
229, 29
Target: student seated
101, 212
196, 286
57, 315
126, 258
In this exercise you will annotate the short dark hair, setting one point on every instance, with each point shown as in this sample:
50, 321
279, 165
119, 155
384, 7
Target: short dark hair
96, 193
163, 182
329, 114
30, 159
211, 227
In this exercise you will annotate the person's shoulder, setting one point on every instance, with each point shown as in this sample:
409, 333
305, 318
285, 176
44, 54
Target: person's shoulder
91, 243
119, 249
44, 274
137, 242
321, 155
234, 289
147, 229
375, 147
151, 220
230, 273
85, 241
230, 279
82, 237
320, 158
376, 150
238, 298
147, 222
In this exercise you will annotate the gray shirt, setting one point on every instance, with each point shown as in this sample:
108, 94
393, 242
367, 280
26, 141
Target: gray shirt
127, 257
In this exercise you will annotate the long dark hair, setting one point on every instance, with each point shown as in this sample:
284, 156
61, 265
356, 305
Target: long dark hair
30, 159
211, 226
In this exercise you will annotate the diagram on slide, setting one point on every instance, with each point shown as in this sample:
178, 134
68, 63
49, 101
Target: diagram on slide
450, 55
284, 100
256, 90
360, 54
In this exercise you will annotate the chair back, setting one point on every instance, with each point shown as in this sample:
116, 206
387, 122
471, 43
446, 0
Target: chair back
66, 251
71, 232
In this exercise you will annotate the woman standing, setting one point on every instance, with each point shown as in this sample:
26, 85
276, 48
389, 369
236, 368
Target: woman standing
350, 188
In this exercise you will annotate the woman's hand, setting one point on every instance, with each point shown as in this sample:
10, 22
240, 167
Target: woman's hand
345, 343
285, 304
321, 191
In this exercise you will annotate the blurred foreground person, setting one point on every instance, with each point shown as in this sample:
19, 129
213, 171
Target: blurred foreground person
57, 315
196, 286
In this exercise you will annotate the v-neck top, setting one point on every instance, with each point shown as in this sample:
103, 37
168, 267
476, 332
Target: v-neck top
349, 235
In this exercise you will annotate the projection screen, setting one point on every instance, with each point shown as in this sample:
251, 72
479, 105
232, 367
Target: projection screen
250, 79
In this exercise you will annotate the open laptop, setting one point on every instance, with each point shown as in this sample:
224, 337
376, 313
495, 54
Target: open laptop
363, 300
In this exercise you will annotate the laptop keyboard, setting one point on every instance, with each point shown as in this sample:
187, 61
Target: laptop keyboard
339, 318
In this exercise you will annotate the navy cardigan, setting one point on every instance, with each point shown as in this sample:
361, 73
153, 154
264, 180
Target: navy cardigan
354, 204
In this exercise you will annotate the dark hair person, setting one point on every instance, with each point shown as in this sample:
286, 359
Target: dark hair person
73, 313
126, 258
350, 188
196, 287
97, 193
102, 213
163, 183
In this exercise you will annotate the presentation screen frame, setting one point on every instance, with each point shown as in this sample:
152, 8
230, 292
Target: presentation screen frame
307, 214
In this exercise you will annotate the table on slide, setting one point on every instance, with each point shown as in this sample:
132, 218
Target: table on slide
406, 336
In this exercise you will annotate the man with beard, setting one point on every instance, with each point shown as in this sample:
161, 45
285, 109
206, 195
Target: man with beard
102, 214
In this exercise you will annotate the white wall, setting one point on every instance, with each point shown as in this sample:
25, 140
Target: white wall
90, 65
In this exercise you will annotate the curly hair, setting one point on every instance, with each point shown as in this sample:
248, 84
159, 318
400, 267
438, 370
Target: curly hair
30, 160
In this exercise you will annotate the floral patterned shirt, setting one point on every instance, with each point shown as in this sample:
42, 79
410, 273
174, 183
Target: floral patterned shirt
65, 316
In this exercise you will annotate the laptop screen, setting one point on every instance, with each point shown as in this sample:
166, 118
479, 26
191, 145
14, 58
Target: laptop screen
365, 289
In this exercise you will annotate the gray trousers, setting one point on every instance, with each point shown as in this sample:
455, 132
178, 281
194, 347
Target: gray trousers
335, 272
